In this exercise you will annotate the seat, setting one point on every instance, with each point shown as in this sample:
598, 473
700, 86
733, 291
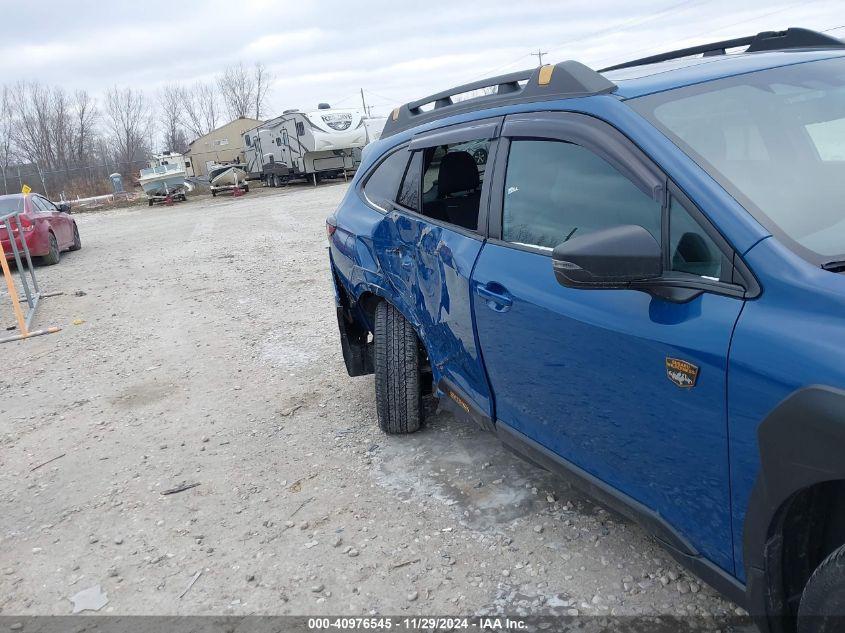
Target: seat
458, 191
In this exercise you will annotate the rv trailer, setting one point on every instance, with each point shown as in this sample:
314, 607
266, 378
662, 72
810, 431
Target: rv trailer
323, 143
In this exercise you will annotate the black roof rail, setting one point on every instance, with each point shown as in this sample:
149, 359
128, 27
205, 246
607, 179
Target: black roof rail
561, 81
765, 41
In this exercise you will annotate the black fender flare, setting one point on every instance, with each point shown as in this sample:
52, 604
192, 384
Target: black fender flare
356, 353
801, 444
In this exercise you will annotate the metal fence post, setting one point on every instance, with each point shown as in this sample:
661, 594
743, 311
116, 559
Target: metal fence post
34, 294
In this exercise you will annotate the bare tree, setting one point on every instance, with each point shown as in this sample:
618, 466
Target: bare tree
201, 107
237, 88
129, 122
263, 84
32, 128
86, 117
170, 101
6, 128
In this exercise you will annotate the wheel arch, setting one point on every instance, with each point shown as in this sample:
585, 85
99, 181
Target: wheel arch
789, 517
370, 295
356, 309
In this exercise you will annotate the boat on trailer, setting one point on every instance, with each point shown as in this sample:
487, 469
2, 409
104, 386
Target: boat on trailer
227, 178
163, 180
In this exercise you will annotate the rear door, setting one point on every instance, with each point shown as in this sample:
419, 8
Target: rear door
589, 374
431, 238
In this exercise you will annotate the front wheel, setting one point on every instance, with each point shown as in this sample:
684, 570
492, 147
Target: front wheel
822, 607
54, 255
397, 372
77, 241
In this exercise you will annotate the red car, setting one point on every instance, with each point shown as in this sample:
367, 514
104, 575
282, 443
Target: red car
47, 228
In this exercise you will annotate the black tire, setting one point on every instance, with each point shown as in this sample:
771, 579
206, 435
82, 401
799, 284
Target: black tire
150, 201
822, 608
246, 188
54, 255
397, 372
213, 194
77, 241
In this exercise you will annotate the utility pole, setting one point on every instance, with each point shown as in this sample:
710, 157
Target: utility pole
539, 54
364, 103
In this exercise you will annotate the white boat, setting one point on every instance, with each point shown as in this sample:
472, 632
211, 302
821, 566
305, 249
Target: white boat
227, 176
163, 180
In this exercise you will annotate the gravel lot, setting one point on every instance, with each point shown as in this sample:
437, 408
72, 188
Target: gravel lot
207, 353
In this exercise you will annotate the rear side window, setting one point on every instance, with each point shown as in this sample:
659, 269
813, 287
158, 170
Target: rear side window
383, 184
452, 180
556, 190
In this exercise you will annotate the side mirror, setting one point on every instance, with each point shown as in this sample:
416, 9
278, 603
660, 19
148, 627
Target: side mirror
64, 207
610, 258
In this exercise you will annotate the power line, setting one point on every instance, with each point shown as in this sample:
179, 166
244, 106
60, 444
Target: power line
622, 26
615, 28
709, 33
497, 68
380, 96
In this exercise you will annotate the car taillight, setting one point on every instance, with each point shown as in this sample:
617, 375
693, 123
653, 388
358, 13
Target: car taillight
331, 227
26, 225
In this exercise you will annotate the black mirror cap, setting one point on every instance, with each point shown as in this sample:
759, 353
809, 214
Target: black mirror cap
64, 207
609, 258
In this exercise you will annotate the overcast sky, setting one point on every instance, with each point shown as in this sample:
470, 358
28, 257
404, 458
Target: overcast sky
396, 51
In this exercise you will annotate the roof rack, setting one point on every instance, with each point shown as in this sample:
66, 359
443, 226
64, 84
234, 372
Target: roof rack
765, 41
561, 81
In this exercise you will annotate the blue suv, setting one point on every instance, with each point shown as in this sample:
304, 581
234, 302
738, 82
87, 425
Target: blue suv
634, 278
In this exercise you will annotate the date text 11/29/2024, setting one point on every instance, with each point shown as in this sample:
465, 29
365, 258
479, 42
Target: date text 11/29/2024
420, 623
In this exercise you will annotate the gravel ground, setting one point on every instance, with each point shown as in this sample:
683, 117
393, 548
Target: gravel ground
205, 351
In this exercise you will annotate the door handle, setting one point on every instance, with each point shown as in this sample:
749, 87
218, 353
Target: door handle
495, 295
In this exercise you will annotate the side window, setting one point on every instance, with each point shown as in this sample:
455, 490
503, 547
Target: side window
556, 190
382, 185
690, 248
300, 128
452, 180
409, 193
285, 140
40, 206
278, 141
248, 140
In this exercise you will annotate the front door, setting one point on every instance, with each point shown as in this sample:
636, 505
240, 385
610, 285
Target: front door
624, 385
60, 222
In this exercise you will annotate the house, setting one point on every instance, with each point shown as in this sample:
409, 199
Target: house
223, 145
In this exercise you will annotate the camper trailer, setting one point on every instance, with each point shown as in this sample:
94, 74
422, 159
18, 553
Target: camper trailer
323, 143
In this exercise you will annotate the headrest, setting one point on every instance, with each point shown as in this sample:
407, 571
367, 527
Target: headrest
458, 172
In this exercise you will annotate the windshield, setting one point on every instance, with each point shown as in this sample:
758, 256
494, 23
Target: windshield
775, 140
